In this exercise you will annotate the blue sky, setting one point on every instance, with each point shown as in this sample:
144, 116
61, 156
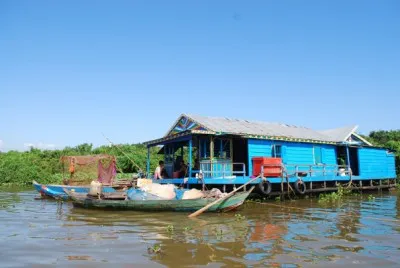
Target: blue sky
71, 70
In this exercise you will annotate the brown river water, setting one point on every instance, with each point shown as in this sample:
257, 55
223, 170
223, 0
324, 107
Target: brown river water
360, 231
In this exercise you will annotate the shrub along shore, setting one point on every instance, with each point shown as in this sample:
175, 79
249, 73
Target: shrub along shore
44, 165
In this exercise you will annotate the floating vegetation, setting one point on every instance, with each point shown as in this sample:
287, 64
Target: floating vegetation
331, 197
186, 229
154, 249
371, 197
239, 217
170, 228
278, 198
219, 233
334, 196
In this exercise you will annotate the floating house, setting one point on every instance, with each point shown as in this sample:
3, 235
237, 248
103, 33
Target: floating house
226, 153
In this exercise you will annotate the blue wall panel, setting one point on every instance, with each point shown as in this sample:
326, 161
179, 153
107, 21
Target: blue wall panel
376, 163
258, 148
391, 162
292, 153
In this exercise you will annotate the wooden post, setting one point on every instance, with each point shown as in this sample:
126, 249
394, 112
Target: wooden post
211, 155
348, 163
190, 158
231, 147
148, 162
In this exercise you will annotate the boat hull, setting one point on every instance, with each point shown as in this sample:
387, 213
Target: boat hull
57, 191
189, 205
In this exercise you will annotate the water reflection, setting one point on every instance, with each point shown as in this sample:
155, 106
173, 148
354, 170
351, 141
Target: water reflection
359, 230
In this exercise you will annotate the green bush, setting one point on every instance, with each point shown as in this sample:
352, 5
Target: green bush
44, 165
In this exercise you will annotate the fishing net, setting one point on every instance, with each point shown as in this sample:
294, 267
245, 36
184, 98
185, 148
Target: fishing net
82, 170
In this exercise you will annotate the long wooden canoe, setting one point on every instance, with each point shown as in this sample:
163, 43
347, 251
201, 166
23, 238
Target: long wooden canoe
84, 201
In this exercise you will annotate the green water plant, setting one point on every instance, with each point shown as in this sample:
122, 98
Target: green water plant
170, 228
334, 196
219, 233
239, 217
154, 249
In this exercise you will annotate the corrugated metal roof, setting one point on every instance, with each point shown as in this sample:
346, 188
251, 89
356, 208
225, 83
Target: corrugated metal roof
245, 127
340, 134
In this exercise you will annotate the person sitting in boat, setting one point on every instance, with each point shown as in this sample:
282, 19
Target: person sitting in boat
158, 171
182, 169
164, 173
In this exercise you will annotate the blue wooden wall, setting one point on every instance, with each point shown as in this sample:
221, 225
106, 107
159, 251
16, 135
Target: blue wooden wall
376, 163
292, 152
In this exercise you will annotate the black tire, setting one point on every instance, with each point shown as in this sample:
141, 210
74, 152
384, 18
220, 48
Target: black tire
300, 187
265, 187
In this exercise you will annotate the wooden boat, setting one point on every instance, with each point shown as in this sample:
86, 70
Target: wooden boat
57, 191
121, 202
82, 171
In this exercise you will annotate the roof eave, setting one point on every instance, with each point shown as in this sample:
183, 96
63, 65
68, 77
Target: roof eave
176, 136
281, 138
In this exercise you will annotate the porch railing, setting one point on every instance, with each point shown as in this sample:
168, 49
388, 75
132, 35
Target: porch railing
306, 170
225, 169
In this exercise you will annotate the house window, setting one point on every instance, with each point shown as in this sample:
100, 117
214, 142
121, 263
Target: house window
204, 148
169, 153
222, 148
277, 150
317, 155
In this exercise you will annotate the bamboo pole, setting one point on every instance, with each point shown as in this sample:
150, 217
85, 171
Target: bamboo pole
133, 162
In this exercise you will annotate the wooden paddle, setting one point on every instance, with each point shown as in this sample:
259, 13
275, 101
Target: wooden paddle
198, 212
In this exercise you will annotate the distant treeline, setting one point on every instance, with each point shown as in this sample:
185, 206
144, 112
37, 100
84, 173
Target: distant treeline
45, 167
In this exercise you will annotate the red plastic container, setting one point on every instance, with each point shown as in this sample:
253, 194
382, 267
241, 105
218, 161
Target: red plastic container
272, 166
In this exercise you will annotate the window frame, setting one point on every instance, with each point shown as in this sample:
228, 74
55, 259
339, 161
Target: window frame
224, 145
273, 150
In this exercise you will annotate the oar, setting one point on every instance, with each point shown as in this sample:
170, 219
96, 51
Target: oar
198, 212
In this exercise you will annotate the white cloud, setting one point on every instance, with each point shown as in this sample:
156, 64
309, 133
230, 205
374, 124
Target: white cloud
40, 145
